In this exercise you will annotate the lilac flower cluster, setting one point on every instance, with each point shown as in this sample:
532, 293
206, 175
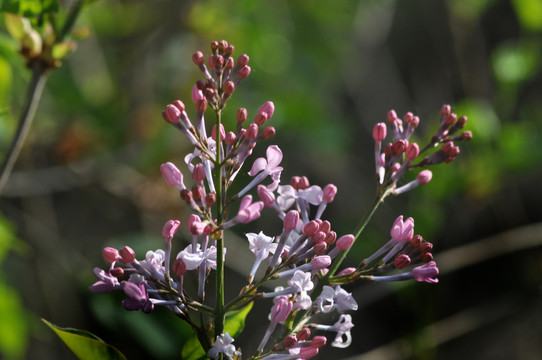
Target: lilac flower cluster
306, 253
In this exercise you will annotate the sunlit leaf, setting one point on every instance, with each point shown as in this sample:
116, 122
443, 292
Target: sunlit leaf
29, 8
514, 63
235, 322
16, 25
528, 12
13, 327
86, 345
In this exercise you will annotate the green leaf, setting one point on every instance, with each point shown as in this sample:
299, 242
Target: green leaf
29, 8
86, 345
14, 325
17, 26
235, 322
62, 49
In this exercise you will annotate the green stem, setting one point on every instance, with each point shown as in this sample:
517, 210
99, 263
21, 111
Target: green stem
35, 89
220, 314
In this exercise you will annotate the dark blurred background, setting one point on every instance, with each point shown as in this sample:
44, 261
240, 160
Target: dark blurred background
89, 175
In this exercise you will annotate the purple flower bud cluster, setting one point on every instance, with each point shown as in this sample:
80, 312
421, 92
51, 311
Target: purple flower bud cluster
394, 159
305, 253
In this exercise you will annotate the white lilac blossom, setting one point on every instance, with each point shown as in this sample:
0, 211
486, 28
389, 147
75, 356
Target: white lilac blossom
306, 253
342, 327
223, 344
335, 298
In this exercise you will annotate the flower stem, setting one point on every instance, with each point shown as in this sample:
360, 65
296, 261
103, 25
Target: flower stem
35, 89
220, 313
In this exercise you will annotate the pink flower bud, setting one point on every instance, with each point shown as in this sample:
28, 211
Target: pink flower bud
348, 270
261, 118
252, 131
127, 254
228, 87
391, 116
325, 227
268, 132
198, 58
319, 237
195, 225
117, 272
399, 146
407, 117
281, 309
445, 110
241, 115
222, 132
462, 121
320, 262
424, 177
289, 341
201, 105
426, 272
267, 196
290, 220
414, 122
197, 94
170, 228
412, 151
172, 114
179, 267
401, 261
230, 138
330, 191
303, 334
268, 108
331, 237
242, 60
450, 119
244, 72
320, 248
110, 254
426, 257
179, 105
198, 174
210, 199
345, 242
426, 247
318, 341
229, 63
466, 136
416, 241
311, 228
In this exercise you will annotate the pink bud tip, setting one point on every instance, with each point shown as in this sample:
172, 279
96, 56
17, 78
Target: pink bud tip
222, 132
391, 116
399, 146
268, 132
290, 220
110, 254
244, 72
424, 177
261, 118
426, 247
412, 151
311, 228
318, 341
170, 228
348, 270
408, 117
445, 110
303, 334
331, 237
242, 60
172, 114
198, 173
320, 262
330, 191
267, 197
345, 242
252, 131
401, 261
466, 136
320, 248
179, 267
289, 341
229, 63
268, 108
201, 105
414, 122
229, 87
325, 227
319, 237
450, 119
127, 254
179, 105
308, 353
230, 138
241, 115
117, 272
198, 58
379, 131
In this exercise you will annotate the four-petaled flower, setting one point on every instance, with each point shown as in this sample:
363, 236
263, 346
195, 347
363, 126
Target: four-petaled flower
223, 344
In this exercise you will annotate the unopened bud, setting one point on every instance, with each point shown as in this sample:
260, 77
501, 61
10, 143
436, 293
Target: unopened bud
426, 257
230, 138
408, 117
198, 173
172, 114
318, 341
330, 191
330, 238
311, 228
110, 254
170, 228
260, 118
268, 132
201, 105
179, 267
412, 151
303, 334
391, 116
466, 136
252, 131
290, 220
117, 272
320, 262
127, 254
401, 261
198, 58
445, 110
289, 341
379, 131
416, 241
244, 72
222, 132
345, 242
320, 248
241, 115
242, 60
229, 63
399, 146
210, 199
450, 119
424, 177
229, 87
